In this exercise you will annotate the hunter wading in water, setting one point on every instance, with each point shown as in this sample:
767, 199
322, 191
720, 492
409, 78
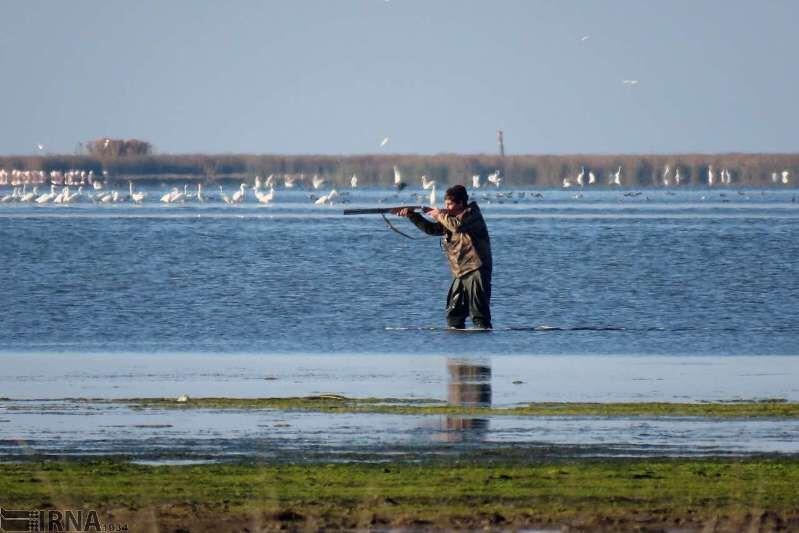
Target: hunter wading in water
468, 250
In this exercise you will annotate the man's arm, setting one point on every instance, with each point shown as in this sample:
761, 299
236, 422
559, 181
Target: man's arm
457, 224
431, 228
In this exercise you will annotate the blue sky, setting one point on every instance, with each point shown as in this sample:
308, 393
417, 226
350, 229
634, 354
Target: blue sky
336, 77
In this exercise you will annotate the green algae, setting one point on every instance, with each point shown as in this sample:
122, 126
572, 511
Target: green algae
462, 493
341, 404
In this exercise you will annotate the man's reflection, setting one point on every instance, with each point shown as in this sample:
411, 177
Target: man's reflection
469, 385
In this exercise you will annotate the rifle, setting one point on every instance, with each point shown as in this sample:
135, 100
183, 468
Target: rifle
382, 212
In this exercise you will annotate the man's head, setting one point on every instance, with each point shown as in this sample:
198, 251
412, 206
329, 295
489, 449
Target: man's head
455, 199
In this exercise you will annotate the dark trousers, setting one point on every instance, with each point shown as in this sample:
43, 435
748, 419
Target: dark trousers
470, 295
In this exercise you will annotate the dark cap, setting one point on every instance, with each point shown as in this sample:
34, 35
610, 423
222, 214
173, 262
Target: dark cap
458, 194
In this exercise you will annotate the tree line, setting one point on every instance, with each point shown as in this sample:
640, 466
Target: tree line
137, 162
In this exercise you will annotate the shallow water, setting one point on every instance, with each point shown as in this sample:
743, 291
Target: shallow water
697, 272
608, 296
63, 428
513, 378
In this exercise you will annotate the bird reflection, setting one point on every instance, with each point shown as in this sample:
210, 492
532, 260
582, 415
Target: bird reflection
469, 385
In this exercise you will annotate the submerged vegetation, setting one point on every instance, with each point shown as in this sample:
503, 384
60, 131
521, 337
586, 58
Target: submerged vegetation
340, 404
132, 160
590, 494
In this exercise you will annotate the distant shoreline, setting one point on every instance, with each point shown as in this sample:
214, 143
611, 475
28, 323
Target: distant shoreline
637, 170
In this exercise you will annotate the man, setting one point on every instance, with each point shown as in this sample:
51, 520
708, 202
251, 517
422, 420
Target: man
468, 249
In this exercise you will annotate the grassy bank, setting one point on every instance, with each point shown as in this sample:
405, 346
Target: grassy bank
340, 404
589, 494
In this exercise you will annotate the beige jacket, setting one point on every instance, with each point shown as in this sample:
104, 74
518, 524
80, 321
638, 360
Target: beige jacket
466, 242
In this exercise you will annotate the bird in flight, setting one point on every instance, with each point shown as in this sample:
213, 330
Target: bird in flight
384, 142
630, 82
584, 38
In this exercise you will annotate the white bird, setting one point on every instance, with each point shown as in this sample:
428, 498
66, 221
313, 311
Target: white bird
384, 142
182, 398
270, 181
98, 185
591, 177
135, 197
616, 178
354, 181
265, 197
46, 197
63, 195
167, 197
30, 196
288, 181
77, 197
427, 183
476, 181
398, 183
327, 198
710, 175
225, 197
10, 197
584, 38
666, 176
677, 176
239, 195
69, 197
317, 181
580, 176
785, 177
726, 179
774, 177
433, 195
567, 182
494, 178
257, 186
200, 196
630, 82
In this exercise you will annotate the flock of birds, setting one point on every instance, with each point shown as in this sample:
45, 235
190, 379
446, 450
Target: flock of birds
667, 179
75, 186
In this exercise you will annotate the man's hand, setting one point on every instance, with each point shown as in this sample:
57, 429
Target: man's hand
402, 211
434, 213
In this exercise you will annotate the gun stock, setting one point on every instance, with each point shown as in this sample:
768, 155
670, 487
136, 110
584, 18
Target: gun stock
379, 210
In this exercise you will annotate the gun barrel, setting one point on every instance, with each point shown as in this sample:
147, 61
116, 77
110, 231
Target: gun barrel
378, 210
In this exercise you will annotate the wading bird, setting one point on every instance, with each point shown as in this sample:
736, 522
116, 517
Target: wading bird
615, 179
327, 198
239, 195
398, 183
265, 197
135, 197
